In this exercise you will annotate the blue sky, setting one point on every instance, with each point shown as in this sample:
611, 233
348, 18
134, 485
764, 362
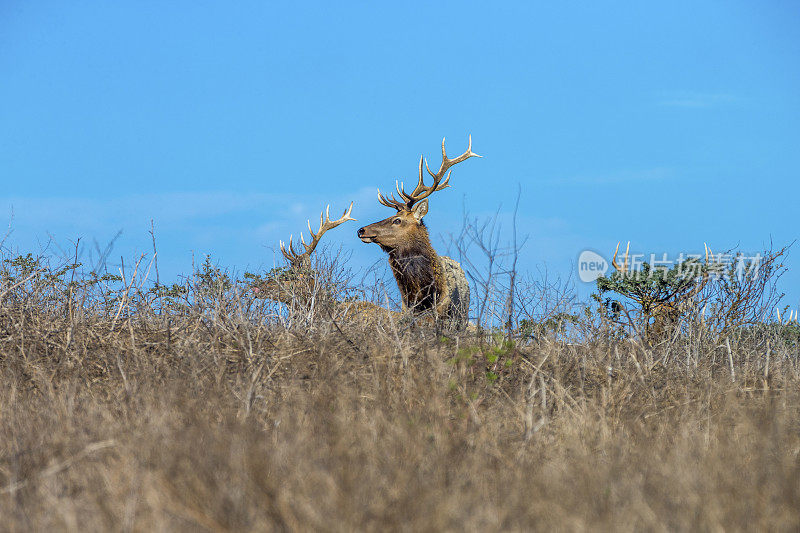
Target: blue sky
229, 124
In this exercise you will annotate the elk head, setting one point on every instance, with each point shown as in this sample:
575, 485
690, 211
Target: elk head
405, 229
284, 284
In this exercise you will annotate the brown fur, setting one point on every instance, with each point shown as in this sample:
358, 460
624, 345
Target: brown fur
418, 270
302, 289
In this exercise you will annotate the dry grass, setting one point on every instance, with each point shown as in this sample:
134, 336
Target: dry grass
119, 411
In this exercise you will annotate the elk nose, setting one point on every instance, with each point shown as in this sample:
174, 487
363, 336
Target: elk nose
360, 232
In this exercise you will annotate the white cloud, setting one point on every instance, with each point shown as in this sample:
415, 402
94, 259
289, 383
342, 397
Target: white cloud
297, 208
215, 220
138, 208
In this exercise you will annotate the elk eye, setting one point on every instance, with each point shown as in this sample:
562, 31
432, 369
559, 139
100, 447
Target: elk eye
396, 221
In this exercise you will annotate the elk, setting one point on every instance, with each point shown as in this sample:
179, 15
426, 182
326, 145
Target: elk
665, 302
428, 283
299, 283
298, 280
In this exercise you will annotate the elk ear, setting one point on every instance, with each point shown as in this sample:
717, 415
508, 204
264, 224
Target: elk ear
420, 210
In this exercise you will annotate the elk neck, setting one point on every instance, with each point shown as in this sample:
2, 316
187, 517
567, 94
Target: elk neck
415, 266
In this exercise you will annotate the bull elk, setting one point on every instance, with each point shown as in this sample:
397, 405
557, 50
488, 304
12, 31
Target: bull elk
428, 283
298, 280
664, 304
300, 283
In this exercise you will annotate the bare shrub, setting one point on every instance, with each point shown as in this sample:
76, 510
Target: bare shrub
523, 304
126, 404
743, 294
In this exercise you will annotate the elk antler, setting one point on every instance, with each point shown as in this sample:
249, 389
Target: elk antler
699, 287
325, 224
624, 267
709, 252
421, 192
688, 292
